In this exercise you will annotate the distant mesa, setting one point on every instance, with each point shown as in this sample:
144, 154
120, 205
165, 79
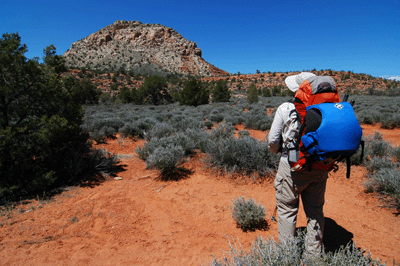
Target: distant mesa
143, 48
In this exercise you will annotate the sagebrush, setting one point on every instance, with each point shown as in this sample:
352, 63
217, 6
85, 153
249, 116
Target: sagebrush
247, 213
268, 252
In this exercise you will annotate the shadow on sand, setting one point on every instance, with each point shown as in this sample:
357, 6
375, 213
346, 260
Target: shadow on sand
335, 236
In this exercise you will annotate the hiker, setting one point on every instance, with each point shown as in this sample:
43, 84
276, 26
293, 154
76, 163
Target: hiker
289, 185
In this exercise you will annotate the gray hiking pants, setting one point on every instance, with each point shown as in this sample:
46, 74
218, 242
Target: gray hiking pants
311, 186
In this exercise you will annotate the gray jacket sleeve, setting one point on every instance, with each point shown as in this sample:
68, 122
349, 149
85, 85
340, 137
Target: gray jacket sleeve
284, 128
274, 138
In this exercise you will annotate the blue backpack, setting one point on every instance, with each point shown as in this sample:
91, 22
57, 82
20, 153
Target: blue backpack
330, 133
338, 135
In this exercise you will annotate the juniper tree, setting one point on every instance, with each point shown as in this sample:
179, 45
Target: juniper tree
127, 95
221, 92
154, 90
252, 94
194, 92
41, 142
82, 91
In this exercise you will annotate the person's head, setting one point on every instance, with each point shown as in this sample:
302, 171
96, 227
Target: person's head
293, 82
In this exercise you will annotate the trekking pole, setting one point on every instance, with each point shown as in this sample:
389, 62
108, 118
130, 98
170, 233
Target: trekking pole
346, 96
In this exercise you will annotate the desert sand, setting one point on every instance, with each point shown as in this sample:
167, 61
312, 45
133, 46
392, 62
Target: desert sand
138, 219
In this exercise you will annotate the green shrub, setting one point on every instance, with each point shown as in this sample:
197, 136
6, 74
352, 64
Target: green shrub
110, 122
183, 140
103, 161
257, 119
160, 130
391, 121
144, 125
377, 147
183, 122
167, 160
247, 214
41, 139
276, 90
216, 118
383, 168
148, 148
290, 252
377, 109
208, 124
375, 163
98, 136
396, 154
234, 117
130, 129
222, 131
385, 181
243, 133
388, 180
200, 138
378, 154
243, 156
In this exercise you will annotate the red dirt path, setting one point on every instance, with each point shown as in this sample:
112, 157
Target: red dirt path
140, 220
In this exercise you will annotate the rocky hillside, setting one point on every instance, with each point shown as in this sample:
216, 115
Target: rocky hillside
142, 48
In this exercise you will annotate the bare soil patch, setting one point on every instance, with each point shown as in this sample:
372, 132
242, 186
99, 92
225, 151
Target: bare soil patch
390, 135
141, 220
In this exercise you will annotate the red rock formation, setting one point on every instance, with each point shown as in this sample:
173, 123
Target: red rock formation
133, 45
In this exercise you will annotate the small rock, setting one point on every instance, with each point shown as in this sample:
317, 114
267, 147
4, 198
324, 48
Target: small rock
118, 178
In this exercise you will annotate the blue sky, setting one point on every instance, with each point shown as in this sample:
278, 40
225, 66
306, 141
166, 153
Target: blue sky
236, 36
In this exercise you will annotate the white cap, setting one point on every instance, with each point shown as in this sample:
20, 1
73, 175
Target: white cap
293, 82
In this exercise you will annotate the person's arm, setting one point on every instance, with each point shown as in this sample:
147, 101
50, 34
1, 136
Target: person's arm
274, 138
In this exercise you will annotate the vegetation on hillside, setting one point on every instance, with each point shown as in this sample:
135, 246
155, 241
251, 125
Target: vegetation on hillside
125, 86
